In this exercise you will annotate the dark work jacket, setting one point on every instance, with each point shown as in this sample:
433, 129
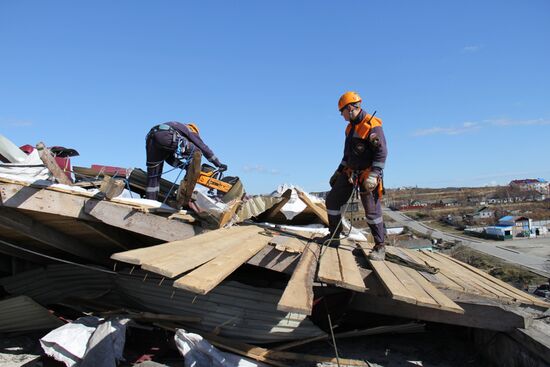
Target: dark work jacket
365, 145
196, 140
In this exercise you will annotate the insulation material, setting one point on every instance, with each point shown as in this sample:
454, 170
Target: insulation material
88, 341
199, 352
294, 206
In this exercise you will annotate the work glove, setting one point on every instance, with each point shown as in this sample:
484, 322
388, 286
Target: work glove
222, 167
333, 178
371, 182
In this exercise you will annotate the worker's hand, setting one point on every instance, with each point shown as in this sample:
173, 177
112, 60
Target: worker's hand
222, 168
333, 178
371, 182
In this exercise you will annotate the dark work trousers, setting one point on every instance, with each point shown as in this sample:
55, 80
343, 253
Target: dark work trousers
159, 146
338, 197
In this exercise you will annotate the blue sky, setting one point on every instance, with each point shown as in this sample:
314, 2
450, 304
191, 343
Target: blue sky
461, 86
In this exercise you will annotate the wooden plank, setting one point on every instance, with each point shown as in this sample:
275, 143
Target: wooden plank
288, 244
298, 294
322, 214
49, 161
136, 221
169, 249
208, 276
329, 266
111, 187
414, 289
446, 273
471, 278
392, 285
486, 314
27, 226
351, 277
188, 255
444, 302
439, 277
505, 286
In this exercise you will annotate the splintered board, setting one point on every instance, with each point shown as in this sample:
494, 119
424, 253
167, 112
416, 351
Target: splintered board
203, 279
338, 267
407, 285
298, 294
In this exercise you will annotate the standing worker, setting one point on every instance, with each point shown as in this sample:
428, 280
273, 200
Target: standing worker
180, 146
363, 163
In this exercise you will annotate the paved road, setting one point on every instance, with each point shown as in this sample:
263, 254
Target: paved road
537, 264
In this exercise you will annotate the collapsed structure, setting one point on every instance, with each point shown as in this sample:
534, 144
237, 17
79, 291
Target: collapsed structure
249, 269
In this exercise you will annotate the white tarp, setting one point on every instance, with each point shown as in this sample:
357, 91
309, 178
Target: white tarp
197, 352
88, 341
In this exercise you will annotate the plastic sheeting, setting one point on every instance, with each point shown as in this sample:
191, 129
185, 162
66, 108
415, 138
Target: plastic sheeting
198, 352
88, 341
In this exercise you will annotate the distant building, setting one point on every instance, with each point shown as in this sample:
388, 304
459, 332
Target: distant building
540, 185
520, 225
483, 213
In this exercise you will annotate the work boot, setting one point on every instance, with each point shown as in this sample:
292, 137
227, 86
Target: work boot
378, 252
327, 241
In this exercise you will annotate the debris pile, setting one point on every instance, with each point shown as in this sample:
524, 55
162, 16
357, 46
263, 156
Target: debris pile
89, 253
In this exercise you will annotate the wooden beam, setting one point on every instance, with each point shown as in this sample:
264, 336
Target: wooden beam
484, 314
351, 276
134, 220
208, 276
322, 214
43, 200
298, 294
28, 227
111, 187
47, 157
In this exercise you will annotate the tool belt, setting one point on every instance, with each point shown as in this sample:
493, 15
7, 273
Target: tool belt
359, 176
163, 127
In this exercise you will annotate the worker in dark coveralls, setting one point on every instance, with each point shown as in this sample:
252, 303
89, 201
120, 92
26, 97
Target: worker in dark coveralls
363, 164
173, 143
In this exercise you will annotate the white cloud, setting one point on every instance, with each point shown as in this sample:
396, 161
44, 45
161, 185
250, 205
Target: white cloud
15, 122
466, 127
470, 126
258, 168
508, 122
471, 48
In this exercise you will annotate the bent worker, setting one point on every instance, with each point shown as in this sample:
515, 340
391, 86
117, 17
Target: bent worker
363, 164
178, 145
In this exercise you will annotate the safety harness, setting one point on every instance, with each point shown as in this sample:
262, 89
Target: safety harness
184, 149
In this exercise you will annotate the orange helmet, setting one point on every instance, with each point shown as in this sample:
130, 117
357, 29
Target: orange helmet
347, 98
191, 126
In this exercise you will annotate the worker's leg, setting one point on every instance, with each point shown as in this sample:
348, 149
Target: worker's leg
336, 198
158, 147
373, 211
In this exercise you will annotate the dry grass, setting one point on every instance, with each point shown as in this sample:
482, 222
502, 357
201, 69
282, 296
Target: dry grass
515, 275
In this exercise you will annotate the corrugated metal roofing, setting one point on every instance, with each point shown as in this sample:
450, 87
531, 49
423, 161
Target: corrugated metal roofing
56, 282
23, 314
236, 310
